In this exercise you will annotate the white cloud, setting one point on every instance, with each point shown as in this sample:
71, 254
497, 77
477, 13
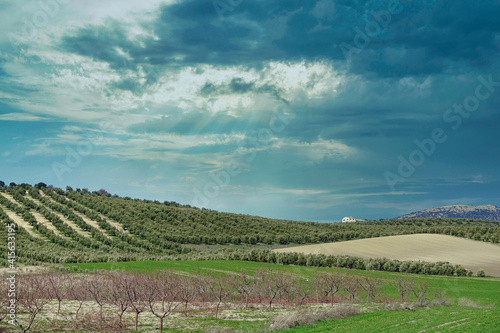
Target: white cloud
318, 150
78, 88
21, 117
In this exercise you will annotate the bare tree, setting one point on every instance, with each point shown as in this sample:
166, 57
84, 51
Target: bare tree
59, 286
79, 293
370, 286
420, 290
98, 289
329, 284
284, 282
201, 286
351, 286
32, 297
404, 286
244, 285
136, 293
117, 294
187, 291
162, 295
302, 289
219, 291
268, 284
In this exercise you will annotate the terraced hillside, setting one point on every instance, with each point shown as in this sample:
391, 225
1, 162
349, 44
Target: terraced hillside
78, 226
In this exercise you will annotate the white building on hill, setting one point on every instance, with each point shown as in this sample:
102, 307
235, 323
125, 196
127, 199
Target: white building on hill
348, 219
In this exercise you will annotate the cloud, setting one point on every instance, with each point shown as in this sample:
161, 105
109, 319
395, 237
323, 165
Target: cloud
169, 89
21, 117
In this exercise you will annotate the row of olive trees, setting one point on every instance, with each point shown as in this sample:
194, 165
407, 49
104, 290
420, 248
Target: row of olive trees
164, 293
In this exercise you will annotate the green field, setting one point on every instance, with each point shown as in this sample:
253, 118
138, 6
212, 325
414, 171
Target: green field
437, 319
484, 292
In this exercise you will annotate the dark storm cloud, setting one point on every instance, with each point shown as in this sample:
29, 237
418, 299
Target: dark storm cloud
422, 37
101, 43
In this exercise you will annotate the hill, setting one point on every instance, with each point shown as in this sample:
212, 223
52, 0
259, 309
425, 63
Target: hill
56, 226
484, 212
470, 254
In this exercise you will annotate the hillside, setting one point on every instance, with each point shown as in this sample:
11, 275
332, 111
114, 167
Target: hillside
484, 212
470, 254
73, 226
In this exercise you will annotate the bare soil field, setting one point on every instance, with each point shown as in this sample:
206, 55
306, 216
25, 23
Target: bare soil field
471, 254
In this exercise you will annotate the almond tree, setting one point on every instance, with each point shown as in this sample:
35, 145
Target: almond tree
419, 290
162, 295
219, 291
79, 293
284, 282
302, 289
32, 297
404, 287
244, 285
136, 293
370, 286
118, 294
267, 283
97, 288
59, 286
352, 285
187, 291
329, 284
201, 285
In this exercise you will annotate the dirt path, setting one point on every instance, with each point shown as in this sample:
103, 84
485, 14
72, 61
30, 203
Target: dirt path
86, 219
42, 220
20, 222
10, 197
114, 224
63, 218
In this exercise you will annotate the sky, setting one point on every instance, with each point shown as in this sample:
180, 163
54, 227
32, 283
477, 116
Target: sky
303, 110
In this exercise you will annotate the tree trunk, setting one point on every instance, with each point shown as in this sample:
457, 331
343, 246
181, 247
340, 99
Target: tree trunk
78, 310
217, 310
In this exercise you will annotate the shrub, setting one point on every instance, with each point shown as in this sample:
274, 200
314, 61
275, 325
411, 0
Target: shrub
467, 302
439, 299
481, 273
298, 318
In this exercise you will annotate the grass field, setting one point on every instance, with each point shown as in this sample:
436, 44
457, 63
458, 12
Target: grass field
471, 254
481, 291
437, 319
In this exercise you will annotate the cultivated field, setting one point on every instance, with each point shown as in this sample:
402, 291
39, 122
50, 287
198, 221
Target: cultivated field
473, 255
474, 301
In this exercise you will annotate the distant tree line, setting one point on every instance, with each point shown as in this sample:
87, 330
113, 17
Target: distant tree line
340, 261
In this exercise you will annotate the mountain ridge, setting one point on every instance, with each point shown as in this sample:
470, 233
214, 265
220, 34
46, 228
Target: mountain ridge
488, 212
